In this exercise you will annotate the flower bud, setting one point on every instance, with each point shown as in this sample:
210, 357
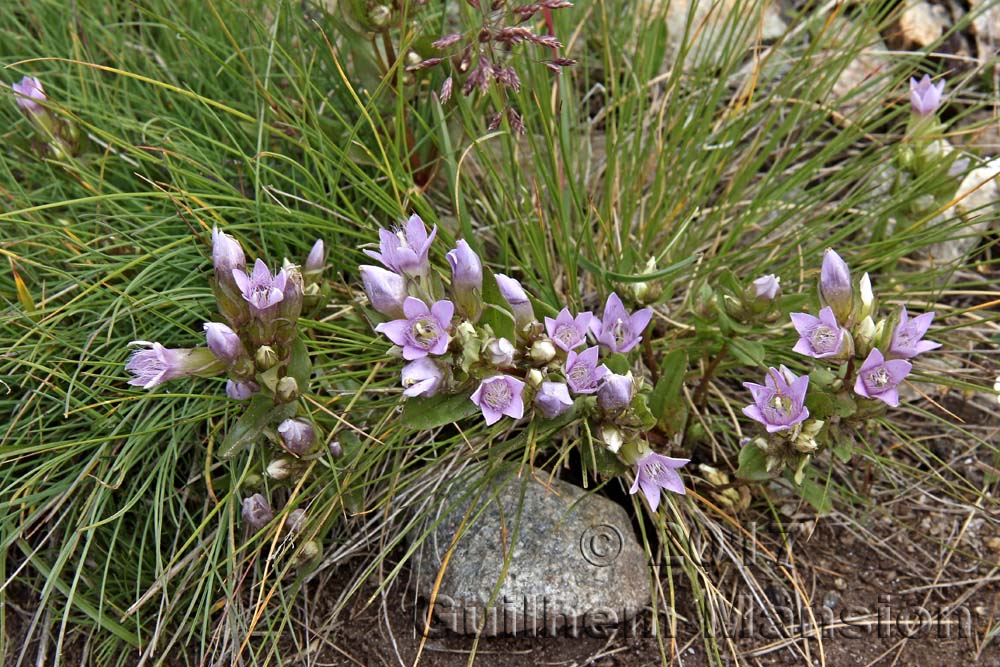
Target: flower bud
336, 451
615, 392
644, 292
224, 343
466, 280
287, 389
28, 94
266, 358
543, 351
380, 16
240, 391
386, 290
286, 315
297, 436
257, 511
500, 352
612, 437
295, 521
552, 398
309, 551
534, 377
864, 335
867, 297
835, 286
279, 469
422, 377
315, 261
515, 295
227, 256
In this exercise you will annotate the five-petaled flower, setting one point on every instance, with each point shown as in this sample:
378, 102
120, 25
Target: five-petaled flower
423, 330
878, 377
260, 289
820, 337
925, 96
654, 472
907, 336
498, 396
29, 93
553, 399
582, 372
779, 402
158, 364
566, 331
616, 328
404, 250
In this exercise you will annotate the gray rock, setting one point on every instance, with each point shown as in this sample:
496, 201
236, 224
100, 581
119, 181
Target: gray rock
575, 564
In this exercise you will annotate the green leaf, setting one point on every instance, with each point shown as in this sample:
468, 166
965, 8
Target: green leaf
426, 413
816, 495
753, 464
750, 352
617, 363
248, 427
844, 406
497, 312
300, 366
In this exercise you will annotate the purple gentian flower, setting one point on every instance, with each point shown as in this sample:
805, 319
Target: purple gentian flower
227, 254
240, 391
553, 399
925, 97
158, 364
616, 328
582, 372
877, 378
405, 250
422, 377
386, 290
297, 435
906, 337
224, 343
615, 392
498, 396
766, 288
515, 295
779, 403
821, 336
29, 93
466, 278
835, 285
260, 289
654, 472
257, 511
316, 259
422, 330
566, 331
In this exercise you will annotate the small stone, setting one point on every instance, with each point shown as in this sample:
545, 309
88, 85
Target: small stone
831, 600
993, 544
574, 562
840, 584
920, 25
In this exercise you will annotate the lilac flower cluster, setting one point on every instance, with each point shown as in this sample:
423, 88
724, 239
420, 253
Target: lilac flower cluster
255, 346
872, 356
536, 370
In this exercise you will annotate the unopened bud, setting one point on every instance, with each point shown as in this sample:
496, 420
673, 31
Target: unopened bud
265, 358
612, 437
287, 389
500, 352
543, 351
257, 511
297, 436
867, 297
309, 551
534, 377
296, 521
336, 451
644, 292
380, 16
279, 468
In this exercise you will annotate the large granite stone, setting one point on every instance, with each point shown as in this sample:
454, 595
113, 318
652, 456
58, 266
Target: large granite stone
575, 565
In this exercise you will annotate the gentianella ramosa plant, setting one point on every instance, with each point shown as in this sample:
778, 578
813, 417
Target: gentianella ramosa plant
256, 345
477, 347
858, 361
